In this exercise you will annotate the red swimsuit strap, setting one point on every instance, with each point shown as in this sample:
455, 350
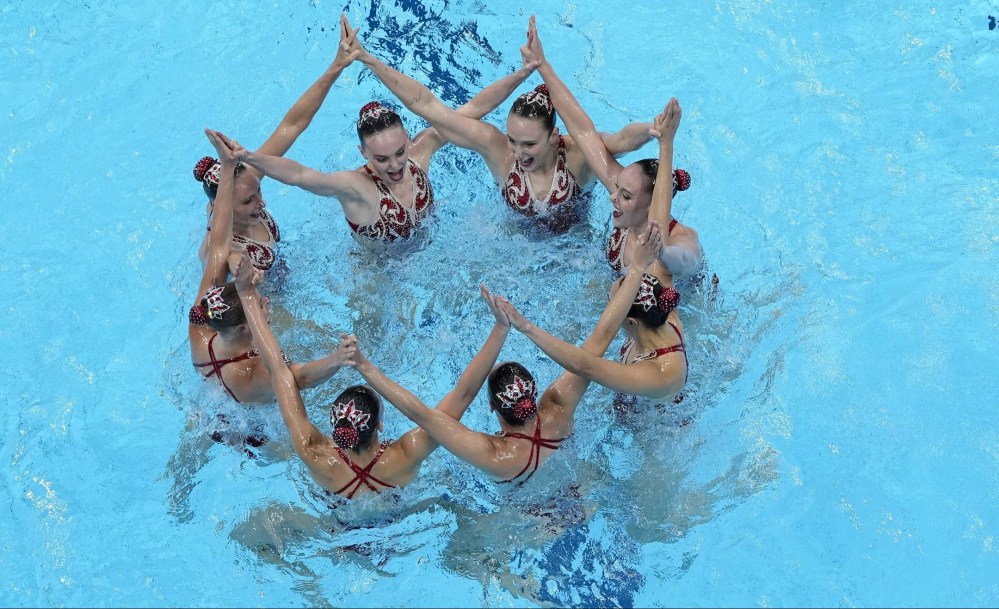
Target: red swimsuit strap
672, 224
361, 475
217, 364
537, 442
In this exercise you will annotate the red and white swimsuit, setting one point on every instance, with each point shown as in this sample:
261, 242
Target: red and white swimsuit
616, 241
519, 194
262, 254
395, 220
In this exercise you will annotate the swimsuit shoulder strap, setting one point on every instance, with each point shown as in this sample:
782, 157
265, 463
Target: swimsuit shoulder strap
537, 442
362, 476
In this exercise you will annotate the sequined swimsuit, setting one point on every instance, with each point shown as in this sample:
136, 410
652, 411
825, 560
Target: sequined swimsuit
616, 242
395, 220
537, 443
262, 254
362, 475
519, 194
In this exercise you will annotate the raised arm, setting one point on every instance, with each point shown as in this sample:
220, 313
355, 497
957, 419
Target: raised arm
664, 128
304, 435
629, 139
578, 123
436, 426
301, 114
220, 236
456, 128
479, 106
319, 371
583, 362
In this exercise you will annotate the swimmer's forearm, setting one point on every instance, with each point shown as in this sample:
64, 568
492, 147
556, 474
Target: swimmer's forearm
614, 313
300, 115
397, 395
460, 398
575, 118
495, 94
662, 194
630, 138
316, 372
412, 93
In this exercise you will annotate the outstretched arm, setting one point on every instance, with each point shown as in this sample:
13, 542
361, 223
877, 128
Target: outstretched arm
321, 370
454, 127
582, 361
220, 233
579, 124
304, 435
482, 104
681, 253
437, 427
301, 114
629, 139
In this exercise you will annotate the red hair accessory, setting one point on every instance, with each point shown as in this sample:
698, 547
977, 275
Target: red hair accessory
539, 96
681, 180
669, 299
371, 111
517, 392
525, 408
646, 296
358, 420
198, 315
347, 437
217, 305
202, 168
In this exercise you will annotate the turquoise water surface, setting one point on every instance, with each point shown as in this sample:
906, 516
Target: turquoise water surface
842, 447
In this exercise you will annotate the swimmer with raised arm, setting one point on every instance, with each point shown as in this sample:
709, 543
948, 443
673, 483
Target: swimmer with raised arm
390, 195
531, 429
631, 187
221, 343
254, 230
542, 173
653, 360
354, 461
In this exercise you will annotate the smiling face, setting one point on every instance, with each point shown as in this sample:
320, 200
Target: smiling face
631, 198
530, 141
247, 201
387, 152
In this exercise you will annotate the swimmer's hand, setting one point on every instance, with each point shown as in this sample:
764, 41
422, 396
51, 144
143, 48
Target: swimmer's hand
493, 302
645, 250
246, 276
227, 147
516, 319
665, 125
348, 352
351, 43
223, 146
345, 54
532, 52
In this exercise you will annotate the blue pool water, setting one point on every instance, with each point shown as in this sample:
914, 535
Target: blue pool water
842, 448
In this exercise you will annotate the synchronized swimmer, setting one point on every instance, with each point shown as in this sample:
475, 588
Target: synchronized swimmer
543, 175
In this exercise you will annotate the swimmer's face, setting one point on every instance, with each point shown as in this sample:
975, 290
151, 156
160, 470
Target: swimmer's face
387, 152
530, 141
247, 202
630, 199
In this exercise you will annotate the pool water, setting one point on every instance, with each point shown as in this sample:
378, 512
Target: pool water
837, 445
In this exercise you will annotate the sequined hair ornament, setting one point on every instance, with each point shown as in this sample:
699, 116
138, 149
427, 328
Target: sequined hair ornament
371, 111
357, 421
539, 97
217, 305
207, 171
681, 180
198, 315
519, 395
668, 298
